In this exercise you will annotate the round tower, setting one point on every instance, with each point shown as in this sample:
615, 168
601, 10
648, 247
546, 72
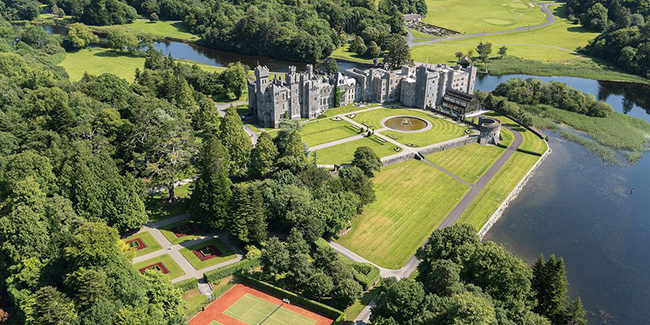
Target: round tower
490, 130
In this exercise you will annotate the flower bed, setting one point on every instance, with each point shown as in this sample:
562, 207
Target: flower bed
184, 230
156, 267
207, 252
136, 244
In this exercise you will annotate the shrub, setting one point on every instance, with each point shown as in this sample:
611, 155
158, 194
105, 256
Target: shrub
187, 285
220, 273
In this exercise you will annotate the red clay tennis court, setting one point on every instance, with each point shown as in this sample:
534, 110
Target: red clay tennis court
243, 305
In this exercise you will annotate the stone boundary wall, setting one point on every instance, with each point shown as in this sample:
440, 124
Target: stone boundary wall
449, 145
397, 159
515, 192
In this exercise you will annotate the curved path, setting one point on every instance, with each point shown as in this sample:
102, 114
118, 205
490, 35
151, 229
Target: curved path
412, 264
550, 18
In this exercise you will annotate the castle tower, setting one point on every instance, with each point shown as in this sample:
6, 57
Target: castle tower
261, 83
426, 87
293, 83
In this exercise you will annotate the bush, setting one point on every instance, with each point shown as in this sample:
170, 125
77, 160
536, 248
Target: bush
187, 285
220, 273
367, 275
296, 299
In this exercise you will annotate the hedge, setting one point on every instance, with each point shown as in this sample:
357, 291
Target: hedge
366, 274
228, 270
296, 299
188, 284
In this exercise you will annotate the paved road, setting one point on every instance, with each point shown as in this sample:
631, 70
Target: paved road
550, 18
222, 111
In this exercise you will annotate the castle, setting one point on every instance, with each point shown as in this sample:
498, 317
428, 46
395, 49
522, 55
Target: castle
308, 95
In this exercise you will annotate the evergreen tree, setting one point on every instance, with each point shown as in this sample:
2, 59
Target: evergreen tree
549, 285
575, 313
237, 141
248, 222
211, 194
398, 54
355, 180
53, 307
263, 156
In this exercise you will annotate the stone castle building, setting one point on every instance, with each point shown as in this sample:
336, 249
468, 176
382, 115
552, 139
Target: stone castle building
308, 95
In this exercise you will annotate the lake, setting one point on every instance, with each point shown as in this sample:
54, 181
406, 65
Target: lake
579, 209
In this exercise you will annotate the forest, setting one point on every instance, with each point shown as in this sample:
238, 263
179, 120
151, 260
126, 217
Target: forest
625, 31
292, 30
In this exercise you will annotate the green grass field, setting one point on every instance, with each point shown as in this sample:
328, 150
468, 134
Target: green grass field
325, 130
347, 109
412, 200
97, 61
227, 254
484, 15
441, 129
467, 162
344, 153
253, 310
166, 231
159, 29
497, 189
175, 271
147, 239
531, 142
343, 53
195, 302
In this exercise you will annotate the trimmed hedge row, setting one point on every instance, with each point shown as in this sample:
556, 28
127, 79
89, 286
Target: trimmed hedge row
296, 299
367, 275
187, 285
228, 270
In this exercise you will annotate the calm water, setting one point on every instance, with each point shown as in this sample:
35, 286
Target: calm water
579, 209
574, 206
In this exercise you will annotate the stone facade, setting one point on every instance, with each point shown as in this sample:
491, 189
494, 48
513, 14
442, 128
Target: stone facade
490, 130
307, 95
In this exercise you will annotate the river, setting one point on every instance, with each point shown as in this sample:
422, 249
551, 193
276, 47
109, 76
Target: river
577, 208
574, 207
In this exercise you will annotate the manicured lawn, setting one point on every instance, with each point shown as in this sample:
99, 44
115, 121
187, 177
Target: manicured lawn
441, 130
226, 254
412, 200
343, 153
97, 61
531, 142
344, 54
251, 309
467, 162
147, 239
169, 234
347, 109
497, 189
554, 42
484, 15
506, 137
157, 209
159, 29
325, 130
175, 271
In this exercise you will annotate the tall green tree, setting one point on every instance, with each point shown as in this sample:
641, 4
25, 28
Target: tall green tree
81, 36
52, 307
237, 141
211, 194
575, 313
367, 160
550, 287
263, 156
484, 50
356, 181
121, 40
398, 53
234, 79
247, 223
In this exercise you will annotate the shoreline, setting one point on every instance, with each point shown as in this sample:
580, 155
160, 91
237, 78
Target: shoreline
513, 195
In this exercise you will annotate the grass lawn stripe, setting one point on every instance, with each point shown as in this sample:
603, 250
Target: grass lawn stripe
412, 200
497, 189
325, 130
344, 153
468, 162
175, 271
147, 239
226, 254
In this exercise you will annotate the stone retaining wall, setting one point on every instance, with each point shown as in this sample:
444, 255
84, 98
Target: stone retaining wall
497, 214
449, 145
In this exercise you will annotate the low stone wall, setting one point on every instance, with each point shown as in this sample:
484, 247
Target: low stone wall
497, 214
449, 145
394, 160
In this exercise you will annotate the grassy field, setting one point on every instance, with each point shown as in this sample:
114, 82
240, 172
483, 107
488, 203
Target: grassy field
226, 254
497, 189
195, 302
254, 310
175, 271
347, 109
484, 15
97, 61
343, 53
158, 210
441, 129
325, 130
159, 29
166, 231
343, 153
412, 200
147, 239
467, 162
